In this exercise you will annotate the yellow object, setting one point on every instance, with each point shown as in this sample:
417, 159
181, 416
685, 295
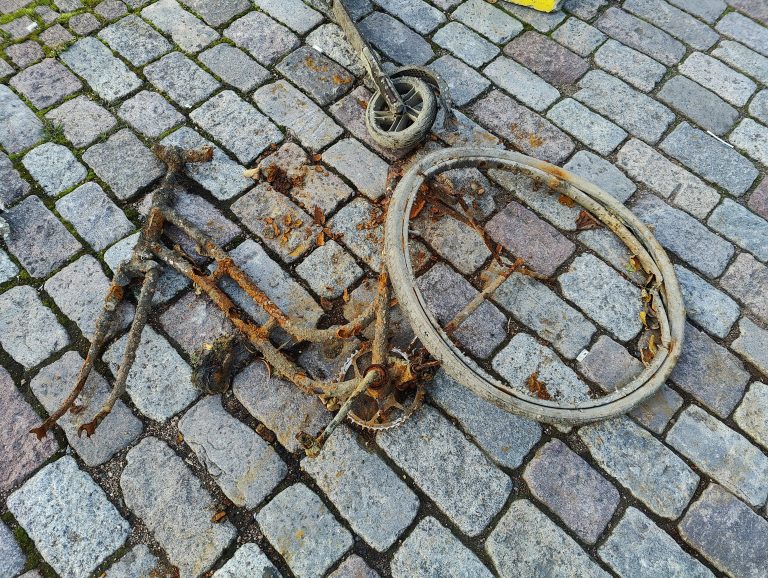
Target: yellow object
540, 5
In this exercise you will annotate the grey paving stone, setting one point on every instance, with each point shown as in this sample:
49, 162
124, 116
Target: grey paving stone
46, 83
11, 556
353, 567
262, 37
707, 10
446, 293
466, 44
157, 364
591, 129
752, 137
491, 22
656, 412
727, 533
78, 291
20, 27
350, 113
524, 357
432, 551
118, 430
463, 81
137, 563
642, 464
97, 219
56, 36
521, 83
222, 176
579, 36
20, 453
667, 179
747, 280
652, 552
186, 30
602, 173
54, 168
640, 115
160, 489
108, 76
245, 466
741, 226
262, 203
234, 67
759, 106
366, 171
38, 239
303, 531
505, 437
19, 127
684, 236
14, 186
344, 470
744, 30
467, 487
419, 15
329, 39
181, 79
217, 12
61, 500
609, 364
329, 270
170, 281
527, 543
707, 306
758, 200
541, 21
711, 373
568, 486
711, 159
110, 9
279, 405
526, 130
703, 107
525, 235
752, 414
553, 62
721, 453
149, 113
8, 269
639, 70
713, 74
604, 295
293, 13
366, 241
741, 57
193, 321
248, 560
135, 40
236, 125
82, 120
641, 36
83, 24
466, 132
540, 309
25, 53
752, 344
124, 163
679, 24
752, 8
319, 76
455, 241
288, 107
5, 68
395, 40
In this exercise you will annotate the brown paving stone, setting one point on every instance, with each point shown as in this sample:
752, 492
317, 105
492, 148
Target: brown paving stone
553, 62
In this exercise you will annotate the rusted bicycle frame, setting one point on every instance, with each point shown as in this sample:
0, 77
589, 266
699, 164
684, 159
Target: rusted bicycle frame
384, 376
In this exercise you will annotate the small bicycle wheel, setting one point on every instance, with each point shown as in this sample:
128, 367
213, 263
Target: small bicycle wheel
657, 291
404, 130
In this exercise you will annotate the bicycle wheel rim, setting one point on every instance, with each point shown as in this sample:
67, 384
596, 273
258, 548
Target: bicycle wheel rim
605, 208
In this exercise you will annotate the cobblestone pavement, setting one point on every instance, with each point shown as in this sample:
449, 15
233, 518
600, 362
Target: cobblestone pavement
663, 103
